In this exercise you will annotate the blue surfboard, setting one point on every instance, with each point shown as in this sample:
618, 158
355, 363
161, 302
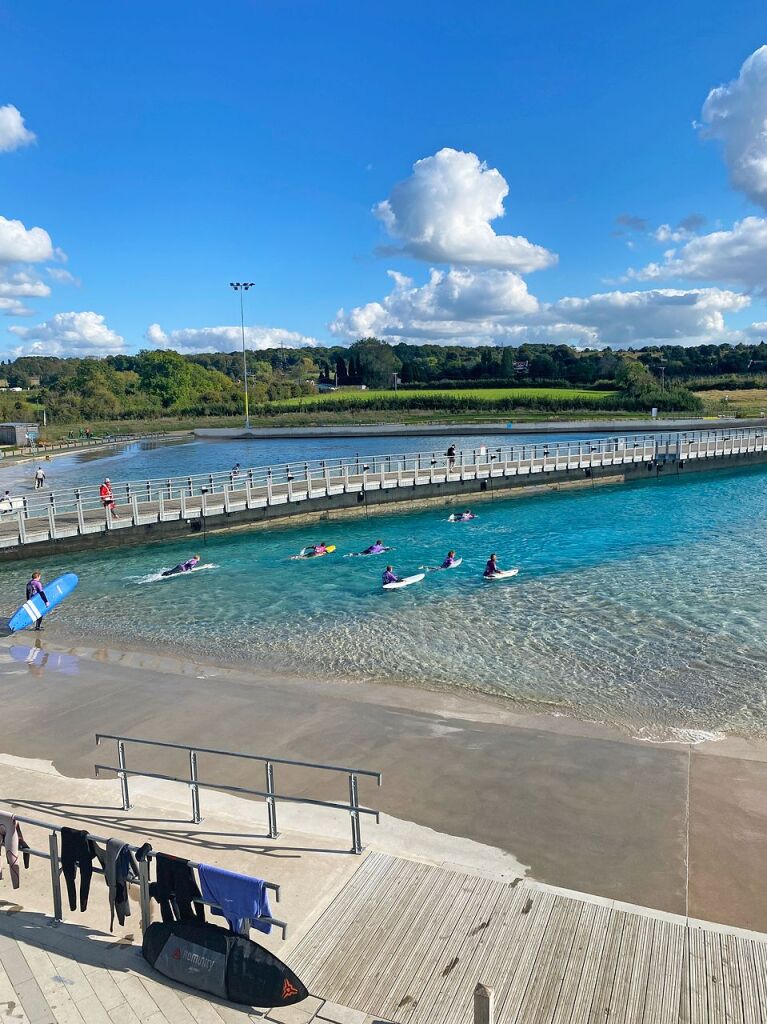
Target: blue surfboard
36, 608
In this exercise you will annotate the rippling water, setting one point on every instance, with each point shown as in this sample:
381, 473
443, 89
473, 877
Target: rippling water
643, 605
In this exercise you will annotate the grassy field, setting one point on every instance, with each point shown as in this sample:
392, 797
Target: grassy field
751, 402
488, 394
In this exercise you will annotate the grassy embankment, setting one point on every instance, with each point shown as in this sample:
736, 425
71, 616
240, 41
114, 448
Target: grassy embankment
749, 402
466, 405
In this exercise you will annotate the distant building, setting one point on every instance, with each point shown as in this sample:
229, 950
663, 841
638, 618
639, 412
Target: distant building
18, 433
34, 382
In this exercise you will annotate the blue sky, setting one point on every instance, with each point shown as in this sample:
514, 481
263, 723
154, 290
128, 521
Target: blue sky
179, 146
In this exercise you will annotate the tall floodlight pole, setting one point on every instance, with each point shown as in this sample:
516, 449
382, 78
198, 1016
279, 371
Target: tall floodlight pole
243, 286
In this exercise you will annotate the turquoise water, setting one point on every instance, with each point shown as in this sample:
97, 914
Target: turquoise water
642, 605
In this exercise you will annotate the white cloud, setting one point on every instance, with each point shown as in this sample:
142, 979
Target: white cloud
225, 339
451, 303
736, 114
21, 244
736, 256
494, 307
442, 214
22, 283
69, 334
62, 276
13, 307
13, 133
660, 314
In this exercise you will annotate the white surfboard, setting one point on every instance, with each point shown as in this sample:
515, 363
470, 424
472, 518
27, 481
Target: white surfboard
441, 568
504, 575
404, 582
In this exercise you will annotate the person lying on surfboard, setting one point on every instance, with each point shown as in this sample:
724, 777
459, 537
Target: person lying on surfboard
492, 568
186, 566
450, 561
389, 576
318, 549
468, 514
35, 587
374, 549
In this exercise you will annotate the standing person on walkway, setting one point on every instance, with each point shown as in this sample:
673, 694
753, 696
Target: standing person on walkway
35, 587
107, 497
451, 457
39, 478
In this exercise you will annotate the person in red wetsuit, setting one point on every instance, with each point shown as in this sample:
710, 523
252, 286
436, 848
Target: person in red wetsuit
107, 497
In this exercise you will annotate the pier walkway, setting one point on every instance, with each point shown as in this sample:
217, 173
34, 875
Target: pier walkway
181, 506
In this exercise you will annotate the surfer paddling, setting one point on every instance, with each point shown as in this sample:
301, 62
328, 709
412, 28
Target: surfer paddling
35, 587
450, 560
187, 566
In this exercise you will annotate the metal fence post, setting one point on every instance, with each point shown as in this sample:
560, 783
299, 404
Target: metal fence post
145, 902
354, 814
271, 803
53, 848
123, 775
484, 1004
194, 787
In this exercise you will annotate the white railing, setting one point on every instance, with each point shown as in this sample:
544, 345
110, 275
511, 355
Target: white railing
61, 513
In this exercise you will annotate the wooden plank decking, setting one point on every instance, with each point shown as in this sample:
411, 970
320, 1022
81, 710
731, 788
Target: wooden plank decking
411, 941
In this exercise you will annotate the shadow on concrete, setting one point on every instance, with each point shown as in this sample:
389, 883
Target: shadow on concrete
156, 829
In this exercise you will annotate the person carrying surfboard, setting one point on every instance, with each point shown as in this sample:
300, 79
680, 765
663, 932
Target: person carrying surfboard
35, 587
389, 576
492, 568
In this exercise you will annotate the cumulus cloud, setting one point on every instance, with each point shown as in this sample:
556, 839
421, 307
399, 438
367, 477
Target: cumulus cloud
442, 213
13, 133
24, 245
736, 256
22, 284
659, 314
68, 334
225, 339
13, 307
494, 307
449, 304
736, 115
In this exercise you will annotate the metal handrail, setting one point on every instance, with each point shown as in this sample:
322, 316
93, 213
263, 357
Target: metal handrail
144, 897
231, 753
270, 794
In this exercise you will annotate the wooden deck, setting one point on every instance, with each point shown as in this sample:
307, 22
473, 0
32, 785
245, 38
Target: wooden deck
411, 941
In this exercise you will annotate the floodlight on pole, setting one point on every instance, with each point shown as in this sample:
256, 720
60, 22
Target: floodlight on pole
243, 286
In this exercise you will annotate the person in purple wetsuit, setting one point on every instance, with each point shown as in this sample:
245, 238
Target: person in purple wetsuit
449, 561
35, 587
374, 549
492, 568
186, 566
389, 576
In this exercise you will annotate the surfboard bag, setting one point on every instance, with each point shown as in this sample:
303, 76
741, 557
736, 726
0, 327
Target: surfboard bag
212, 959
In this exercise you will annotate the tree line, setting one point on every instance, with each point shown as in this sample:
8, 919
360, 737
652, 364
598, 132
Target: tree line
161, 383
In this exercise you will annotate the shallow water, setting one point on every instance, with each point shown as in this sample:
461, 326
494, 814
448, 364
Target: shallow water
641, 605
